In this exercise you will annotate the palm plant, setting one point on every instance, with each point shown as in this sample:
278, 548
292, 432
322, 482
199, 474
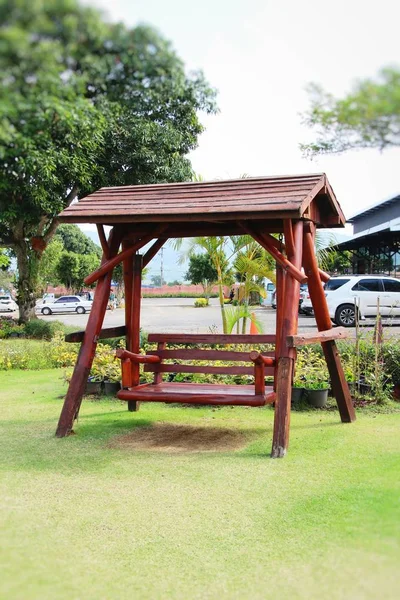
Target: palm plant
215, 247
252, 264
233, 315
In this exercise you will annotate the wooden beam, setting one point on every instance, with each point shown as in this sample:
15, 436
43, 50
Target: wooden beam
103, 240
278, 245
87, 351
338, 381
288, 233
302, 339
152, 251
287, 355
109, 265
270, 245
110, 332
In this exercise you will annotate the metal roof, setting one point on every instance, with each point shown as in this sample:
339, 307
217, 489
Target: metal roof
258, 198
374, 208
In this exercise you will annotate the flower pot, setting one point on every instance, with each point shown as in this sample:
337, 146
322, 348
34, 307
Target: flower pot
93, 387
297, 394
111, 387
317, 398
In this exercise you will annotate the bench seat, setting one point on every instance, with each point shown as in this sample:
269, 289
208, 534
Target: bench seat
198, 393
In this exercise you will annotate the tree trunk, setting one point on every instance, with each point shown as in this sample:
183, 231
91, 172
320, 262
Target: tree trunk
27, 283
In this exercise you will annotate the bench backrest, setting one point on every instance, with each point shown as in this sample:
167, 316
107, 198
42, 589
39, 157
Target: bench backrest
193, 350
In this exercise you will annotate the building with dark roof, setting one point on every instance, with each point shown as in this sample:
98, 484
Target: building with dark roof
375, 245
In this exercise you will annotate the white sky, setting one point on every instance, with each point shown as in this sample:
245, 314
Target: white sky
260, 54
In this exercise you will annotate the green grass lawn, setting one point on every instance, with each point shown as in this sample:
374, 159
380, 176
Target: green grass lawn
86, 517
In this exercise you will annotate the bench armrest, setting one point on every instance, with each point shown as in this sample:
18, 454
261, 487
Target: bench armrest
259, 359
136, 358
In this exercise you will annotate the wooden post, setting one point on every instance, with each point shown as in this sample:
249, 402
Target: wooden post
287, 355
338, 381
280, 301
134, 324
87, 350
128, 285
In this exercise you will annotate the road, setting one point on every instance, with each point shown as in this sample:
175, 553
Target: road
178, 315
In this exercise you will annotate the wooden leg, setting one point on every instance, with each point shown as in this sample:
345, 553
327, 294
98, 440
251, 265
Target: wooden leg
287, 355
133, 405
134, 323
87, 351
128, 285
280, 301
339, 384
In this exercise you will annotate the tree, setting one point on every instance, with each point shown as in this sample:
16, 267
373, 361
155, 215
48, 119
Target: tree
336, 261
48, 268
368, 117
74, 240
68, 270
156, 280
202, 271
83, 104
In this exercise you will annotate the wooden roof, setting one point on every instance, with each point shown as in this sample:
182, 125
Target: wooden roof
261, 198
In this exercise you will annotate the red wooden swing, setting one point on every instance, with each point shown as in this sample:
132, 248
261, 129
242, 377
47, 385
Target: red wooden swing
292, 206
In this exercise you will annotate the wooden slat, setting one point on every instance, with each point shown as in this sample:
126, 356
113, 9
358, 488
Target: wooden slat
110, 332
187, 393
302, 339
211, 338
189, 354
206, 369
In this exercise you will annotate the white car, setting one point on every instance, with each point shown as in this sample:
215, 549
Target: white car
65, 304
7, 303
347, 292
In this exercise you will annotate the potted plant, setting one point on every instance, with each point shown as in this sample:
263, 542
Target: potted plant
298, 379
94, 384
112, 378
316, 378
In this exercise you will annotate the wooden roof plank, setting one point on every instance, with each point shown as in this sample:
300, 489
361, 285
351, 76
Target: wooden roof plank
253, 199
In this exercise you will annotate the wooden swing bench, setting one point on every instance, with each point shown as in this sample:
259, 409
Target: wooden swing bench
292, 207
261, 365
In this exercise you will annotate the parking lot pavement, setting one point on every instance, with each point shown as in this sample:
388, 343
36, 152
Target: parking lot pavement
178, 315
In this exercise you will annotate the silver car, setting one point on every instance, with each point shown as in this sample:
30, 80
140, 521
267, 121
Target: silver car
65, 304
7, 303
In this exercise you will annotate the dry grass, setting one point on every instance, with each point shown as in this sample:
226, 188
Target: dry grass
169, 437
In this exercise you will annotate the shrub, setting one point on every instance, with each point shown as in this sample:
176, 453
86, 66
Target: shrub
43, 330
201, 303
9, 327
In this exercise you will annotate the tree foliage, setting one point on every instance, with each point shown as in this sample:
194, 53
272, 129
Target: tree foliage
202, 271
4, 260
74, 240
83, 104
368, 117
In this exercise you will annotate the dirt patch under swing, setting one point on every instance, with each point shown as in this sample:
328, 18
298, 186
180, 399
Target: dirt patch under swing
164, 437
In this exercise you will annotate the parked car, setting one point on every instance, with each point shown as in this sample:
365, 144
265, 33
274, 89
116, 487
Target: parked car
7, 303
65, 304
347, 292
303, 294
